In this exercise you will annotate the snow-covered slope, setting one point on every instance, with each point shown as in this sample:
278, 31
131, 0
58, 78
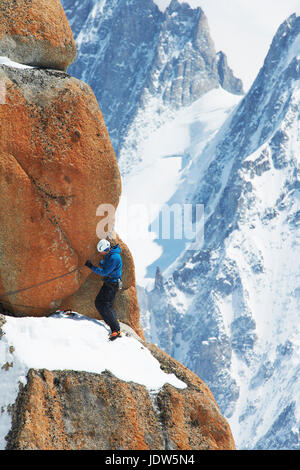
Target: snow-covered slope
10, 63
165, 155
74, 343
230, 311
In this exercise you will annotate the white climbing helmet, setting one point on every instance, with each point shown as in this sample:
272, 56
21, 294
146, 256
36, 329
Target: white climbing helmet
103, 245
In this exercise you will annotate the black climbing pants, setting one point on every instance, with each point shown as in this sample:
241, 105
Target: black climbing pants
104, 303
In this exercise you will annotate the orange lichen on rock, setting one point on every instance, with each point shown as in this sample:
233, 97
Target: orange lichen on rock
51, 184
41, 425
36, 32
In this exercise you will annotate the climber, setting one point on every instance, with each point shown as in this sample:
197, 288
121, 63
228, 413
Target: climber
111, 269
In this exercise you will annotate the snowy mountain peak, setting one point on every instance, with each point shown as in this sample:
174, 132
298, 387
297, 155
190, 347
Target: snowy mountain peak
180, 7
133, 54
240, 292
274, 90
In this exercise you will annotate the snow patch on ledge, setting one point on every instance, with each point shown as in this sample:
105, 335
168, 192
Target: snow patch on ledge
76, 343
10, 63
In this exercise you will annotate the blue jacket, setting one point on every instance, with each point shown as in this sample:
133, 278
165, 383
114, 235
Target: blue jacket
112, 265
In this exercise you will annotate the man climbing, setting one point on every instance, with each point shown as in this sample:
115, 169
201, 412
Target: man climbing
111, 269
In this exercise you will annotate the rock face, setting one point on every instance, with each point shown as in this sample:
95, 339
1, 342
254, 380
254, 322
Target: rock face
36, 32
57, 166
227, 79
83, 411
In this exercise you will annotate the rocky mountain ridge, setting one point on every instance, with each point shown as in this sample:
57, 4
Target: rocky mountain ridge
131, 53
239, 292
36, 33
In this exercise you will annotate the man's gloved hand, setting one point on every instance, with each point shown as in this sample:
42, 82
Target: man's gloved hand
88, 264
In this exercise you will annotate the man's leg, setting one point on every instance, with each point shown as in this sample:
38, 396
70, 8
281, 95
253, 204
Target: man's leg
104, 303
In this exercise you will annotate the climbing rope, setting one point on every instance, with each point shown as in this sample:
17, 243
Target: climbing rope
8, 294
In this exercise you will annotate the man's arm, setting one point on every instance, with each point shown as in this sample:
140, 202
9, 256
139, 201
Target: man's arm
105, 270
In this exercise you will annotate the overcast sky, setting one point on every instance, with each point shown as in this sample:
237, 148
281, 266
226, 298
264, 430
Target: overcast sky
243, 29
